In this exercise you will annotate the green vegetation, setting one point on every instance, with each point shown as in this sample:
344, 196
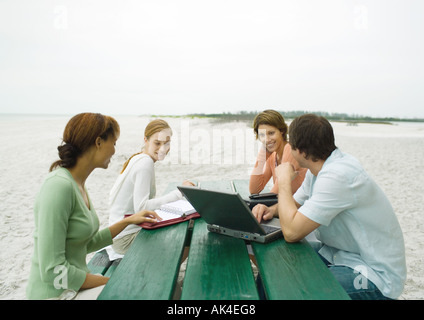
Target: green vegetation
250, 115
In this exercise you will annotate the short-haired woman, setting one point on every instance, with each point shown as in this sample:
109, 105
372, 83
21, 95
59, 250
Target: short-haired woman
271, 129
66, 224
135, 188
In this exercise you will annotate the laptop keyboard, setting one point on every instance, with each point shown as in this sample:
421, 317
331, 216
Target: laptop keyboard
268, 229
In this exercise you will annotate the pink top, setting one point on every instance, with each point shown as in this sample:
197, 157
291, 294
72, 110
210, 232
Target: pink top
265, 169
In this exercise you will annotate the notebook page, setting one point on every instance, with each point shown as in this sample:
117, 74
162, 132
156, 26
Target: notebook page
166, 215
178, 207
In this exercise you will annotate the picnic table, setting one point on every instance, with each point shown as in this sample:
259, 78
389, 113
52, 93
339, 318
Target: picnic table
218, 267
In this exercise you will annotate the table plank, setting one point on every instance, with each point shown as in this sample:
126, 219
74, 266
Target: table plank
294, 271
217, 185
173, 186
218, 267
149, 269
242, 187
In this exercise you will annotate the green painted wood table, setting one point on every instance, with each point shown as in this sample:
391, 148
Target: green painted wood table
218, 267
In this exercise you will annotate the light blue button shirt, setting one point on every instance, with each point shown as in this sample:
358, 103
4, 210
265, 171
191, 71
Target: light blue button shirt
359, 228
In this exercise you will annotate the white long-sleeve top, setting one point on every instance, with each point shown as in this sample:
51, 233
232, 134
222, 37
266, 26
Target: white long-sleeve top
135, 190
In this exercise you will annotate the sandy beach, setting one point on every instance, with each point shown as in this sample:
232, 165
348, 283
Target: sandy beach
201, 150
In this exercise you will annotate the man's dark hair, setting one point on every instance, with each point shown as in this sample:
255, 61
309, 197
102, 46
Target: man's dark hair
312, 135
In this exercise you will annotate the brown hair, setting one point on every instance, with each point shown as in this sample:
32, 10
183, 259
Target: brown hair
154, 126
81, 133
271, 118
312, 135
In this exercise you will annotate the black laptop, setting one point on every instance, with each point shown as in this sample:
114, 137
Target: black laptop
228, 214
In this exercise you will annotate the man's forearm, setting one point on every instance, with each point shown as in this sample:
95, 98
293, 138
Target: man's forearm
286, 205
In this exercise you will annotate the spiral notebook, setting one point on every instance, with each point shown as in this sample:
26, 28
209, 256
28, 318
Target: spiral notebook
172, 213
175, 209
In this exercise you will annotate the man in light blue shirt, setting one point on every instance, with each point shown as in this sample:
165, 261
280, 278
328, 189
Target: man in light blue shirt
360, 237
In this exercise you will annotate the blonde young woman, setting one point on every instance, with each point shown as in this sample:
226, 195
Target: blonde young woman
135, 188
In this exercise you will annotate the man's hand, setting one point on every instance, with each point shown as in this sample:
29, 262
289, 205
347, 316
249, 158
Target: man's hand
285, 173
261, 211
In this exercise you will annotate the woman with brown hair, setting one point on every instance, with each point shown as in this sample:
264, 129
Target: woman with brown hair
271, 129
135, 188
66, 224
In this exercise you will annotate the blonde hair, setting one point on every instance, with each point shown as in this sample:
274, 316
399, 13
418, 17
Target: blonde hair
153, 127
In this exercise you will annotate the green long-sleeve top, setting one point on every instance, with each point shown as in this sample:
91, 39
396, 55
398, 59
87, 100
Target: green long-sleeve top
65, 231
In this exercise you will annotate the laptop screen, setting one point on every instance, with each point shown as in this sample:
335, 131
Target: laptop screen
222, 209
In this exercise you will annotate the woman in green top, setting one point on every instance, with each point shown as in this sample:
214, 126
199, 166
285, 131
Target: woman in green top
66, 224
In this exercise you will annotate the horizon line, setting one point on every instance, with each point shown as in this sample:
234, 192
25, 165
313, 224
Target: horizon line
288, 114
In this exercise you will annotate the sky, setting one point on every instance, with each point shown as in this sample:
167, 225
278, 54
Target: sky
196, 56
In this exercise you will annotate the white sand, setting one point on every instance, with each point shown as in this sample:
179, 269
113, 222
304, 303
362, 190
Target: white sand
393, 155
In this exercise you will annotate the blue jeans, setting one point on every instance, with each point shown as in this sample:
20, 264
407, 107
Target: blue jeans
349, 280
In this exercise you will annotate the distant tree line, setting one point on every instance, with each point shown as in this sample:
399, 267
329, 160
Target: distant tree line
332, 116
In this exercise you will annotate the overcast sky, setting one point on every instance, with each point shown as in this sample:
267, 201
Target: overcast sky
191, 56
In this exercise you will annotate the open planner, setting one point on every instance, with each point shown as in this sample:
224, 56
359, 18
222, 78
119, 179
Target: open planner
172, 213
175, 209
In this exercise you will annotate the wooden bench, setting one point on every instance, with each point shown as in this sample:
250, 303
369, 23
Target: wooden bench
218, 267
100, 264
